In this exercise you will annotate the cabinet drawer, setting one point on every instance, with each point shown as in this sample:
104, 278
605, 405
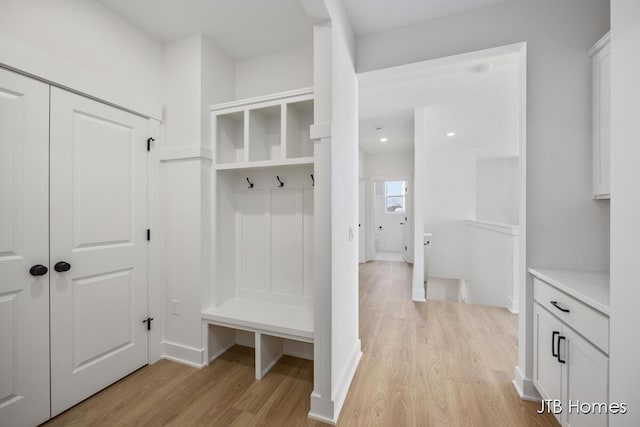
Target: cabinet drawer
588, 322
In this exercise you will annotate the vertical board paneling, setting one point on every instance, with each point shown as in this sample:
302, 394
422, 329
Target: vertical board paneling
254, 240
286, 241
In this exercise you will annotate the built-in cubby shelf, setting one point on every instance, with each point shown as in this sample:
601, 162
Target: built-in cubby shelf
266, 129
265, 164
263, 201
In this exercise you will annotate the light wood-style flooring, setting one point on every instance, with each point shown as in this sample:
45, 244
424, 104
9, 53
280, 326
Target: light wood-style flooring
424, 364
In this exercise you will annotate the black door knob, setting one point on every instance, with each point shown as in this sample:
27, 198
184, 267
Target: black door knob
38, 270
62, 266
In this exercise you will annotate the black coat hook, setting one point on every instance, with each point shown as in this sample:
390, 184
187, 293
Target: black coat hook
313, 181
281, 184
250, 183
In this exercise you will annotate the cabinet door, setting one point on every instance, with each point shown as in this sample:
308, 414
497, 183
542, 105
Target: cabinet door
585, 380
98, 218
547, 371
24, 242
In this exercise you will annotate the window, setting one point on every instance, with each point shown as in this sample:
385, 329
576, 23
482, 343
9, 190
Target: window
395, 196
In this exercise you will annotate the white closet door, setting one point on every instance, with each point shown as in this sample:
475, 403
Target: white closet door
98, 226
24, 242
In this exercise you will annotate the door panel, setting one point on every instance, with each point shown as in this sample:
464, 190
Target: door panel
24, 242
547, 371
99, 216
585, 379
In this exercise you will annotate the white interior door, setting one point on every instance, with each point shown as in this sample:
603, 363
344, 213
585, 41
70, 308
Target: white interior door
98, 217
24, 243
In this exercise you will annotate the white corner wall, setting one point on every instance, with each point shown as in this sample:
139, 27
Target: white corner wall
276, 72
85, 46
196, 75
345, 340
624, 375
335, 131
565, 227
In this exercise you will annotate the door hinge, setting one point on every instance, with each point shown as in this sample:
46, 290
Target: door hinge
148, 234
149, 141
148, 322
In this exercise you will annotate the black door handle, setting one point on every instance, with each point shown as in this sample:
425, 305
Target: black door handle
38, 270
379, 227
556, 305
553, 343
560, 338
62, 266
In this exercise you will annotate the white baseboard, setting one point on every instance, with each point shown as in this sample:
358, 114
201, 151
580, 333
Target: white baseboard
418, 295
513, 306
321, 409
186, 355
340, 392
524, 386
328, 410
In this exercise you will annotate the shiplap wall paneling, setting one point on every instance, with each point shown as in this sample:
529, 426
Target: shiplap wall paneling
225, 288
253, 252
286, 241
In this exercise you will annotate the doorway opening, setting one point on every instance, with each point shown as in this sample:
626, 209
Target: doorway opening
391, 218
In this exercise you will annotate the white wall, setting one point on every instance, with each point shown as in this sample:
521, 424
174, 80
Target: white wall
558, 34
565, 227
624, 383
497, 190
389, 164
276, 72
196, 75
182, 93
449, 200
84, 36
492, 274
344, 213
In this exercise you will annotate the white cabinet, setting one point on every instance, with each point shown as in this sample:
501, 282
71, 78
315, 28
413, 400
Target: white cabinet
264, 132
601, 60
570, 361
263, 199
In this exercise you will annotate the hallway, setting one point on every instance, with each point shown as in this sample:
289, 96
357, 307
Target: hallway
433, 364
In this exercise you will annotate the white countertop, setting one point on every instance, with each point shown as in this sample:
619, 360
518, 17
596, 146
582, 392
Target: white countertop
590, 287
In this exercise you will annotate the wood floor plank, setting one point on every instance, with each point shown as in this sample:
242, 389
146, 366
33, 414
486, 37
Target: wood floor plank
427, 364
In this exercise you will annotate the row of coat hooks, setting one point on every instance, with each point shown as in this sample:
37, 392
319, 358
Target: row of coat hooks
280, 183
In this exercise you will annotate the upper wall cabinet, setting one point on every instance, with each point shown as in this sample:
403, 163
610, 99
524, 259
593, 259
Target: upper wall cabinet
601, 60
264, 132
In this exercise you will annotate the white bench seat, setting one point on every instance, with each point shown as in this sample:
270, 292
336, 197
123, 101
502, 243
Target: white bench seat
271, 323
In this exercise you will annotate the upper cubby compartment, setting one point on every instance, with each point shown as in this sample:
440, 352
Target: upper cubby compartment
299, 118
263, 132
229, 137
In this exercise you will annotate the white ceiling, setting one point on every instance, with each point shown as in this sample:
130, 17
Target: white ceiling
480, 107
242, 28
372, 16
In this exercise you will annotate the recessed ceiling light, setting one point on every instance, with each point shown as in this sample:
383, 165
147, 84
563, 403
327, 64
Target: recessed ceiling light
383, 139
482, 67
451, 134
